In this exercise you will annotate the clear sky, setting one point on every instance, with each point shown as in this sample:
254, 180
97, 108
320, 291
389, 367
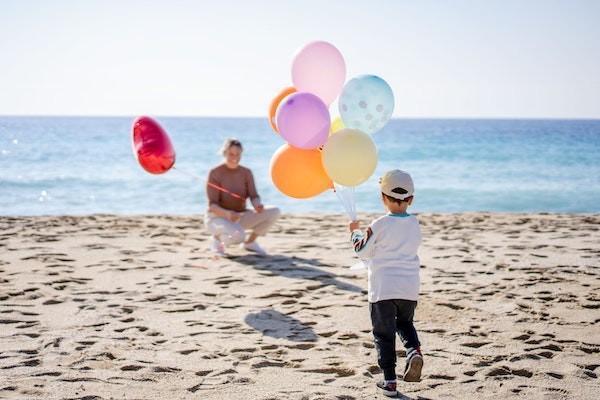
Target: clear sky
523, 58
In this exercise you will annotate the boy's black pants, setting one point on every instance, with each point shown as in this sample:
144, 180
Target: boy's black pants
388, 318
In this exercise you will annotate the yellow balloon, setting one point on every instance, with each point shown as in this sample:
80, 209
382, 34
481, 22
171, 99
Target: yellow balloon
349, 157
336, 125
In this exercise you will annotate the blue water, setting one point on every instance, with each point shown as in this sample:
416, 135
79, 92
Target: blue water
59, 165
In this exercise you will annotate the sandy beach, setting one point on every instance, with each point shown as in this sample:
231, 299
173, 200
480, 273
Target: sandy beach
115, 307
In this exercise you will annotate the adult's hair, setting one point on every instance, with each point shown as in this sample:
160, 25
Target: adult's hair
229, 143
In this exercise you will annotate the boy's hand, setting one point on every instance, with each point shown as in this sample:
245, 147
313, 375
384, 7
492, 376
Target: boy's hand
354, 225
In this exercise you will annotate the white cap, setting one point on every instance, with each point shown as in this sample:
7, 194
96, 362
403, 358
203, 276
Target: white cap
397, 184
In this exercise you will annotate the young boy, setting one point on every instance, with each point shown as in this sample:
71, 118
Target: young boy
389, 246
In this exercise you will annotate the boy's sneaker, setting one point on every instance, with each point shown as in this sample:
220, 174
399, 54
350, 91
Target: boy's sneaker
254, 247
414, 365
217, 247
388, 389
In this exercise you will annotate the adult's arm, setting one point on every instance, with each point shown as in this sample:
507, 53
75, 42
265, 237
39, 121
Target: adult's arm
252, 192
213, 198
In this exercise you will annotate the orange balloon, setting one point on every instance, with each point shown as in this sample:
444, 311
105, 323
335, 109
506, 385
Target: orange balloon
275, 103
299, 173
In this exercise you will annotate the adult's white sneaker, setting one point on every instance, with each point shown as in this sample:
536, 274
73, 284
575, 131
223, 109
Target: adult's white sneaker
217, 247
255, 248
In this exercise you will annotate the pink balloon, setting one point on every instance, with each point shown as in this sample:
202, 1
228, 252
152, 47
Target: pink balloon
319, 68
303, 120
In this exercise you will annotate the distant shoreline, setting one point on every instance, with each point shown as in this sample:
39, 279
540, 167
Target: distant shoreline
312, 214
499, 118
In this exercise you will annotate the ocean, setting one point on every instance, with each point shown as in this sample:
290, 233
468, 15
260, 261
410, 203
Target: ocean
85, 165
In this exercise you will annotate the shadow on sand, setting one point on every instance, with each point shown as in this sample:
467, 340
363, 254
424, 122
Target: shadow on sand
280, 326
296, 268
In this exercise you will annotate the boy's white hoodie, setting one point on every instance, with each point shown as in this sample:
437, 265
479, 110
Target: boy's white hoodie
389, 247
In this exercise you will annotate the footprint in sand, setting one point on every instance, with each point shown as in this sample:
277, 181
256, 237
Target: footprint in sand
340, 372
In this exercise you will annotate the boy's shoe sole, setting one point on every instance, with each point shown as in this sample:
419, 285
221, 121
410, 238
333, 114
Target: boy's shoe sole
389, 393
385, 391
413, 372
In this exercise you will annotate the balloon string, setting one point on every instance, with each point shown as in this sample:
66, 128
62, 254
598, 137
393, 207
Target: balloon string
222, 189
237, 196
345, 195
184, 172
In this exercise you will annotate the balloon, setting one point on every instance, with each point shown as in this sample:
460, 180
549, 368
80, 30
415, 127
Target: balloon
299, 173
303, 120
366, 103
319, 68
349, 157
336, 125
275, 103
152, 146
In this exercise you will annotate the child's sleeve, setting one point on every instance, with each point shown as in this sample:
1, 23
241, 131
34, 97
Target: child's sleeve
364, 242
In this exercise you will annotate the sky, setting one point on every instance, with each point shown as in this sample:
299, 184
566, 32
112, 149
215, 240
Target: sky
443, 59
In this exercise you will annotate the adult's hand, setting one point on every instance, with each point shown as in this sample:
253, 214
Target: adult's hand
234, 216
257, 204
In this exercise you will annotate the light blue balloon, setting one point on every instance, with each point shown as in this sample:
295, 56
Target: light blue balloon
366, 103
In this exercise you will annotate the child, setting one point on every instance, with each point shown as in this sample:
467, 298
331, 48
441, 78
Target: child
390, 248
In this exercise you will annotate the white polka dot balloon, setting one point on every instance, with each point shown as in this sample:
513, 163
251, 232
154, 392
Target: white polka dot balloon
366, 103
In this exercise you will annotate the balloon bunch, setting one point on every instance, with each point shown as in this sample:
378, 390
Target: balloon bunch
321, 154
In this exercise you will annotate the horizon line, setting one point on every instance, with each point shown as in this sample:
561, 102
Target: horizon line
266, 118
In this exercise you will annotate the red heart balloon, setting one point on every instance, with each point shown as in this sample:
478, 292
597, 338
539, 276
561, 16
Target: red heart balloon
152, 146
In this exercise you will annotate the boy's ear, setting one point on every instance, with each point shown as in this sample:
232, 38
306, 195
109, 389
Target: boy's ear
410, 200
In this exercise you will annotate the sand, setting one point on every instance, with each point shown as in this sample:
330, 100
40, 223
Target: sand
117, 307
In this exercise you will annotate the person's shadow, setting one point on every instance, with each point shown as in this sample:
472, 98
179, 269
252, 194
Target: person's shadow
280, 326
295, 268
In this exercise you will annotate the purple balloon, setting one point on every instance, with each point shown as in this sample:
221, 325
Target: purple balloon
303, 120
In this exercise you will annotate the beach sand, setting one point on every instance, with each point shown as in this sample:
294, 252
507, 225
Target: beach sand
117, 307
